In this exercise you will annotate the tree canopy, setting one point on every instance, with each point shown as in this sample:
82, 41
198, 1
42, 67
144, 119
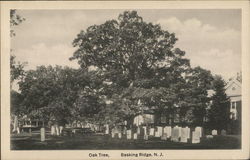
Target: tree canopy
127, 67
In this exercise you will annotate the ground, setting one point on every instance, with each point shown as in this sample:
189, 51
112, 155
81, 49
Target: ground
26, 141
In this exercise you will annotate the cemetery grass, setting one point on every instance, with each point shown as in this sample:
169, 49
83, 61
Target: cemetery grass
25, 141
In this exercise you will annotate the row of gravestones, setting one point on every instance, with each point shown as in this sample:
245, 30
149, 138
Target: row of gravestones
175, 134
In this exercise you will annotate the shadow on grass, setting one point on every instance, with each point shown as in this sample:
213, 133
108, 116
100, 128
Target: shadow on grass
92, 142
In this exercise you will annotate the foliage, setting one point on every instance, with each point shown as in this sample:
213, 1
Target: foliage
16, 69
220, 108
132, 52
15, 20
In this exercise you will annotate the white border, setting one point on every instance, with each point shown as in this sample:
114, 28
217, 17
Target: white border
115, 154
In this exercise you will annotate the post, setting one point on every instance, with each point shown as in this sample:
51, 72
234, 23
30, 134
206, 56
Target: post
42, 134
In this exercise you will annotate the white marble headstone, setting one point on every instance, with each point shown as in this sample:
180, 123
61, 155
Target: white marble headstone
120, 135
175, 134
199, 129
144, 130
42, 134
129, 134
168, 131
179, 131
151, 131
164, 136
195, 137
160, 130
188, 131
157, 134
214, 132
184, 135
135, 136
106, 129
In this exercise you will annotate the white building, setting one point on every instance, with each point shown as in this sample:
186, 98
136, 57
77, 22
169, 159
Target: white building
233, 91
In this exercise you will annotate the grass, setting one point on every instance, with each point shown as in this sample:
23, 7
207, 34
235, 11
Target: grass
94, 142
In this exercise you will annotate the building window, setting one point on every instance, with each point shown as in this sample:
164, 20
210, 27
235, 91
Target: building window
233, 105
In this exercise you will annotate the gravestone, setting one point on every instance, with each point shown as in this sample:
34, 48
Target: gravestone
119, 135
168, 131
152, 132
42, 134
18, 130
112, 134
175, 134
138, 130
223, 132
184, 135
214, 132
129, 134
157, 134
188, 131
164, 136
195, 137
135, 136
209, 136
53, 130
199, 129
145, 137
145, 130
160, 130
179, 131
106, 129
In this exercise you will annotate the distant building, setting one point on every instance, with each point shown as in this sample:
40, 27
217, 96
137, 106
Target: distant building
233, 91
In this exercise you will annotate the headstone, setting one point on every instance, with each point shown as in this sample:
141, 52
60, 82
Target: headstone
135, 136
151, 131
209, 136
138, 130
145, 137
175, 134
168, 131
129, 134
188, 131
160, 130
145, 130
53, 130
195, 137
119, 135
157, 134
179, 131
112, 134
164, 136
199, 129
223, 132
18, 130
106, 129
184, 135
42, 134
214, 132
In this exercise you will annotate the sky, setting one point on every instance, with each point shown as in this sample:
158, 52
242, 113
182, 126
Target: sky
211, 38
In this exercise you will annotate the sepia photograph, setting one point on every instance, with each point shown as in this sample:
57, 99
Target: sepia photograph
125, 80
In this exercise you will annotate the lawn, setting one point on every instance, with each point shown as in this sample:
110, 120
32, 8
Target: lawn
26, 141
